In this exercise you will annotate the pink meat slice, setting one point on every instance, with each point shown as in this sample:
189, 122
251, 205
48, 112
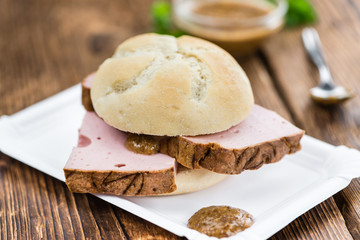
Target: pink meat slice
102, 148
87, 82
260, 126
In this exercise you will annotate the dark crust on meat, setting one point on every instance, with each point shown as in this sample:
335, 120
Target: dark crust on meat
218, 159
85, 98
121, 183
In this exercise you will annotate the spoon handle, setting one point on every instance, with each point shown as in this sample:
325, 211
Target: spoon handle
313, 47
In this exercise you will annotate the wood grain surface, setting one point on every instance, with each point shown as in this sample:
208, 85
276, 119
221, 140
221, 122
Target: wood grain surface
48, 46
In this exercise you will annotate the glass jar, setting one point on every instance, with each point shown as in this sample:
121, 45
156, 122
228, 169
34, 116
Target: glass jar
238, 26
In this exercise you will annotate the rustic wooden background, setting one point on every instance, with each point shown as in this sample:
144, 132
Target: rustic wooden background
47, 46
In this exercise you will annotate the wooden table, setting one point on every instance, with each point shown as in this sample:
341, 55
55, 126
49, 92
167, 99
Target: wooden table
47, 46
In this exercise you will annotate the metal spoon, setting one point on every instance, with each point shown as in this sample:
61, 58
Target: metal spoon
326, 92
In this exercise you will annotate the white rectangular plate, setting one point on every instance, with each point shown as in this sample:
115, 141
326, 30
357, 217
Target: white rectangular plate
43, 135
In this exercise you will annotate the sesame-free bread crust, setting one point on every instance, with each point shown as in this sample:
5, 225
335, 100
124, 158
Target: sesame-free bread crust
166, 86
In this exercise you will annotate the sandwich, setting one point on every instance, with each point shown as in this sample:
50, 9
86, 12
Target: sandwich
171, 115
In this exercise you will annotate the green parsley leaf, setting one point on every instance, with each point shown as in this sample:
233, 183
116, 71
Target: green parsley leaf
300, 12
161, 18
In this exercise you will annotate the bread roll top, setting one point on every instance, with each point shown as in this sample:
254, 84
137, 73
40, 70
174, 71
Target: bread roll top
162, 85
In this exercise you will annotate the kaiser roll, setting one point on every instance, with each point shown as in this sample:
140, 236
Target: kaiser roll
162, 85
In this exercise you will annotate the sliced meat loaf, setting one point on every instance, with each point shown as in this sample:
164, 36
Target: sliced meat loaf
263, 137
101, 164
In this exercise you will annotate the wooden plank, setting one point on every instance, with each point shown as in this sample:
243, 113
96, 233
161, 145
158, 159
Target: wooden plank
53, 45
108, 225
339, 29
348, 202
264, 90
